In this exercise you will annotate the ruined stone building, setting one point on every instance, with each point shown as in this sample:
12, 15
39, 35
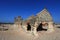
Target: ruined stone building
41, 21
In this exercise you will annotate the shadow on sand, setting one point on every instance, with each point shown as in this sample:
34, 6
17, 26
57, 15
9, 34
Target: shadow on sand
58, 27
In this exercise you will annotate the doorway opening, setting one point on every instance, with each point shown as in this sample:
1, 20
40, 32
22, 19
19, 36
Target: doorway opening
40, 28
28, 27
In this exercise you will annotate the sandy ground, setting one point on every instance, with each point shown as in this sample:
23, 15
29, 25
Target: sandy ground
20, 35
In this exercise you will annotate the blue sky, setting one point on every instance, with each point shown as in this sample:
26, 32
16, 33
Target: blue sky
25, 8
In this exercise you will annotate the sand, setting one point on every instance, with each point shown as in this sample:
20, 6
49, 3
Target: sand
21, 35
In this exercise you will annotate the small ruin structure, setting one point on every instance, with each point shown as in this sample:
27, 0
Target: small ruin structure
41, 22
